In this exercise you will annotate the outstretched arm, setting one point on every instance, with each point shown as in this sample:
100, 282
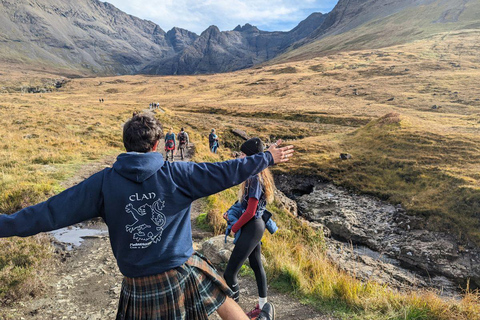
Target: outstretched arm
81, 202
204, 179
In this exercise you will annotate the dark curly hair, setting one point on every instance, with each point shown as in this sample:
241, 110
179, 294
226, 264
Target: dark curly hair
141, 132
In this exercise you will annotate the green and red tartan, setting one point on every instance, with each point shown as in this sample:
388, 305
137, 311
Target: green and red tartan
192, 291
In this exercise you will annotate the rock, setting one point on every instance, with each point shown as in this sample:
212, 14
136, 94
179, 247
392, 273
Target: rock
386, 228
286, 203
240, 133
345, 156
391, 99
216, 250
321, 228
434, 107
31, 136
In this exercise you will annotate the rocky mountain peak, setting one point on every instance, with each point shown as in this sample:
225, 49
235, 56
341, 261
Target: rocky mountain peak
180, 38
211, 31
246, 28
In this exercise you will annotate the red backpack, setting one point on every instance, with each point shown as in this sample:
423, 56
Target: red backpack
170, 145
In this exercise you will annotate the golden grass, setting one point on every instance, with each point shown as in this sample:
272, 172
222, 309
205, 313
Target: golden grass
424, 158
297, 264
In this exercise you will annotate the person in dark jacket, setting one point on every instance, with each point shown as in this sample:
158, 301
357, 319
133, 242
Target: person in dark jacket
255, 193
145, 202
183, 142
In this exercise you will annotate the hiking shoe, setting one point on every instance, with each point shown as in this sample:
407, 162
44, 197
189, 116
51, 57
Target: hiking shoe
254, 313
267, 313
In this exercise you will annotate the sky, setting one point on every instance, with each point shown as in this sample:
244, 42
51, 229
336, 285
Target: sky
198, 15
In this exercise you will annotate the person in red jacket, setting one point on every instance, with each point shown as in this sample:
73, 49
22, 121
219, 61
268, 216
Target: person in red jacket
255, 193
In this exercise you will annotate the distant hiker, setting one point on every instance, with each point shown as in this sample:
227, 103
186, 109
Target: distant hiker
254, 195
170, 144
183, 142
213, 141
146, 202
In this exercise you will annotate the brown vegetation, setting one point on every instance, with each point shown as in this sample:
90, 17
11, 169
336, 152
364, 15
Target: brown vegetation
404, 149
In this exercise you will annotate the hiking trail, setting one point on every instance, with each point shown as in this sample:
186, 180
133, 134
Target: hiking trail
85, 282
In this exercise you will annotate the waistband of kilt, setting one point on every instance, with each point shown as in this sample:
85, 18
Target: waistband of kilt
196, 260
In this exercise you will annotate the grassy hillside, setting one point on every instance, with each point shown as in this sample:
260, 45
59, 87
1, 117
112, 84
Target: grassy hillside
408, 115
416, 23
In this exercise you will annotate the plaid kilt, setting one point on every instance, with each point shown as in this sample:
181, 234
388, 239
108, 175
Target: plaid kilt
191, 291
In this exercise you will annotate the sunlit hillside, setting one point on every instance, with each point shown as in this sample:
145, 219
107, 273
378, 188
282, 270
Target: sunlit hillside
375, 24
425, 157
409, 116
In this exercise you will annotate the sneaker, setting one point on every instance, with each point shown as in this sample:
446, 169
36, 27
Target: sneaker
254, 313
267, 313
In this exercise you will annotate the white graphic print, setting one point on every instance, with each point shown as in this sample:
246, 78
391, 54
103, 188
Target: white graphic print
148, 225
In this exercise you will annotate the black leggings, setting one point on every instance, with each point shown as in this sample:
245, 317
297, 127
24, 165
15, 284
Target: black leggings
247, 246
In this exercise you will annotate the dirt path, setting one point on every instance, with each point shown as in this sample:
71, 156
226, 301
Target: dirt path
85, 283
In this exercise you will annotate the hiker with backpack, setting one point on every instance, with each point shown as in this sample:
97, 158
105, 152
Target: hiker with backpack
170, 144
255, 194
213, 141
183, 142
146, 202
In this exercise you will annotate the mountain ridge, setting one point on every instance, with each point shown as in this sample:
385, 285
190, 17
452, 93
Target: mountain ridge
90, 37
94, 37
370, 24
223, 51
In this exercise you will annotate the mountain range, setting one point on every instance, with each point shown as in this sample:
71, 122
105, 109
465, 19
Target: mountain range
92, 37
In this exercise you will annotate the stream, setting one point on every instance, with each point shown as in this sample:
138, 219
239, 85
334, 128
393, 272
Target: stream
378, 241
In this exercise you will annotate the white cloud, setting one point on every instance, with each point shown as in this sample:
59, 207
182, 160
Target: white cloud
197, 15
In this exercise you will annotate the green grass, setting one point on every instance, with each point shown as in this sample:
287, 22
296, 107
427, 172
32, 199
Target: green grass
202, 222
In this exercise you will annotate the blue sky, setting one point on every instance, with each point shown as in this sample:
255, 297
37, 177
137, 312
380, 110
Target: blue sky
198, 15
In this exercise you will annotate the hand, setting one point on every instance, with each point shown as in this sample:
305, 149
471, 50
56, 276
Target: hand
280, 155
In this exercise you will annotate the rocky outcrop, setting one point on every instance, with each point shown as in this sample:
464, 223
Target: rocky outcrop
180, 38
86, 35
216, 51
388, 229
286, 203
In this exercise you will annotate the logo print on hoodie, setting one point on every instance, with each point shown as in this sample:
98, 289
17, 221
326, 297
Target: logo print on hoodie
148, 225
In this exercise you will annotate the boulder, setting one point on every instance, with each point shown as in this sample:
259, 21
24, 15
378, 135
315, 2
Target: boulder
240, 133
217, 251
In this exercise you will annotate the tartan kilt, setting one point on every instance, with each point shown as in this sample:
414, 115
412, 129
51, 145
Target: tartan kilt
191, 291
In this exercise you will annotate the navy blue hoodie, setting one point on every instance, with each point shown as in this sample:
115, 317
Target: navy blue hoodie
145, 203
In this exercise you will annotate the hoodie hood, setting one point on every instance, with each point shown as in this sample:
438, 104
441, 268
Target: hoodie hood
138, 167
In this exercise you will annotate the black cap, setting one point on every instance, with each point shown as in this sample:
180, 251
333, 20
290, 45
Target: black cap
252, 146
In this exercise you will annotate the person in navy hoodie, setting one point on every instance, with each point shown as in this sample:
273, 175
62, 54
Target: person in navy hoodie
145, 202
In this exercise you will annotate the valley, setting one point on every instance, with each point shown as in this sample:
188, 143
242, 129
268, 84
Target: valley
407, 115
